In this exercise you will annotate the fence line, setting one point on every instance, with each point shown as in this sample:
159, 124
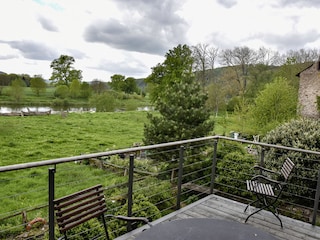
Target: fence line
192, 169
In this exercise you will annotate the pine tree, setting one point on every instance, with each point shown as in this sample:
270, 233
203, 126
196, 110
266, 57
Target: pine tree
179, 101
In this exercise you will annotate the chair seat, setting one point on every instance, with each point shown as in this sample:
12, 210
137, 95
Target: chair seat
261, 188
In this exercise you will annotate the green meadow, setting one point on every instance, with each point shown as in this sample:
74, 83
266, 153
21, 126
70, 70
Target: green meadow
36, 138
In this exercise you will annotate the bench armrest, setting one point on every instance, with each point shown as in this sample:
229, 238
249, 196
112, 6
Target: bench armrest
267, 179
257, 167
130, 219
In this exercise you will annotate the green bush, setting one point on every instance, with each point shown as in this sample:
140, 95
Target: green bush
274, 105
62, 91
103, 102
225, 148
141, 207
233, 102
304, 134
232, 172
60, 103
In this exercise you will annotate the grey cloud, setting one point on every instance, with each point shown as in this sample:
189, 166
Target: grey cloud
220, 40
77, 54
227, 3
47, 24
291, 40
299, 3
158, 29
33, 50
119, 36
134, 69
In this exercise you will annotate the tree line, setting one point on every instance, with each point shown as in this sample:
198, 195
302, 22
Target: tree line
233, 78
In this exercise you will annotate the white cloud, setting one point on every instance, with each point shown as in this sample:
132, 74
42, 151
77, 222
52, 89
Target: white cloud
109, 37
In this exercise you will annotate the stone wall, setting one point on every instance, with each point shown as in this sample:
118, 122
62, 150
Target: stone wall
309, 89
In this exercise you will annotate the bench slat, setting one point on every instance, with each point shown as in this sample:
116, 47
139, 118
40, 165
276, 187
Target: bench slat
79, 207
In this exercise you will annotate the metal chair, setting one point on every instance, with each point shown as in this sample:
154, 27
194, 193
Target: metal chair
268, 190
79, 207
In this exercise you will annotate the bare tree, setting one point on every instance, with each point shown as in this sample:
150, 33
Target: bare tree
204, 60
268, 57
303, 55
212, 56
239, 59
200, 55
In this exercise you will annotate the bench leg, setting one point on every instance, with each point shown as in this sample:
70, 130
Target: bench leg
105, 227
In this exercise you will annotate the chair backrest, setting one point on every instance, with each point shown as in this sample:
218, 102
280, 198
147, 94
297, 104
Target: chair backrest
287, 168
79, 207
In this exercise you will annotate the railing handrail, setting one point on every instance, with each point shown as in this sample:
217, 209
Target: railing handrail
56, 161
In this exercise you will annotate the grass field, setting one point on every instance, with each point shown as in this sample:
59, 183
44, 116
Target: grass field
36, 138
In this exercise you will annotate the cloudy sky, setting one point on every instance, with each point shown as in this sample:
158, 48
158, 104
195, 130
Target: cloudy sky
129, 37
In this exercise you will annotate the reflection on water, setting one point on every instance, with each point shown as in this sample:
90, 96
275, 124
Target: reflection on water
6, 109
18, 109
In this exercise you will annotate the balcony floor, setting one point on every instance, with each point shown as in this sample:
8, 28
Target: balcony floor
214, 206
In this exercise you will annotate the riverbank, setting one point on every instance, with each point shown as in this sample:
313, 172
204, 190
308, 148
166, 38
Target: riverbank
46, 101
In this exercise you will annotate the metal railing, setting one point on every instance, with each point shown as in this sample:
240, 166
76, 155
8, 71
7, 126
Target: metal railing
149, 181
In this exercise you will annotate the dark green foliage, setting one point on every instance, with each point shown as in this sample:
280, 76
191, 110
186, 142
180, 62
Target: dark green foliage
103, 102
63, 71
179, 100
17, 89
183, 115
304, 134
232, 172
176, 67
141, 207
85, 90
122, 84
38, 85
117, 82
75, 87
225, 148
160, 193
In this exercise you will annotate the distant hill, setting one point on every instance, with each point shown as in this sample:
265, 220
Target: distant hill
141, 83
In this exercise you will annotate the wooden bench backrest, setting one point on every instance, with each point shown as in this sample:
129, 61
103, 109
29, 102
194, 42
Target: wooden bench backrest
287, 168
79, 207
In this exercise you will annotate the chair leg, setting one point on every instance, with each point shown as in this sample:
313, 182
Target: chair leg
105, 227
253, 214
250, 204
266, 205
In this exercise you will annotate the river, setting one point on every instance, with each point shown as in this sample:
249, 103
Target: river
6, 109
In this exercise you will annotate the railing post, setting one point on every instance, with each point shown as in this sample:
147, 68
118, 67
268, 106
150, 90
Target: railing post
316, 201
130, 190
51, 205
262, 164
214, 165
180, 174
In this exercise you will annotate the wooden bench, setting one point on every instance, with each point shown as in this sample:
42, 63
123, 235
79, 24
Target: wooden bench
77, 208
